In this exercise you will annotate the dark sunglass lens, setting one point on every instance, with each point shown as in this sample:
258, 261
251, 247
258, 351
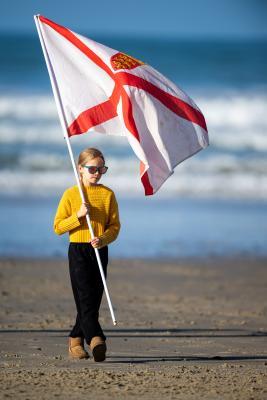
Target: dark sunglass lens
103, 170
92, 170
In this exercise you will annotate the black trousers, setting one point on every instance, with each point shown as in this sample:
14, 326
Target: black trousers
87, 288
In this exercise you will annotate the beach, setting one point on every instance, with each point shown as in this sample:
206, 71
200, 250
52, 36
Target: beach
186, 329
187, 274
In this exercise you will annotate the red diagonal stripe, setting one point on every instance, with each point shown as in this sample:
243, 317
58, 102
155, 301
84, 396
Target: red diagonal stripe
178, 106
129, 121
96, 115
67, 34
145, 180
127, 111
92, 117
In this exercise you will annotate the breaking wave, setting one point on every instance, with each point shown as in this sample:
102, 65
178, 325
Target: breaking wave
33, 155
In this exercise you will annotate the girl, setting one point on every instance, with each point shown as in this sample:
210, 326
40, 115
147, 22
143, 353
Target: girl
101, 205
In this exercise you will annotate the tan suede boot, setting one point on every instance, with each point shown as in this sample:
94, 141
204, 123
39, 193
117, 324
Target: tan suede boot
98, 348
76, 348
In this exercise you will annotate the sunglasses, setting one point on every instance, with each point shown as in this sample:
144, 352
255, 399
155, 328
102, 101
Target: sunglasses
92, 169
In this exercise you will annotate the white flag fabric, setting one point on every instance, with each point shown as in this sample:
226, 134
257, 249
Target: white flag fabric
107, 91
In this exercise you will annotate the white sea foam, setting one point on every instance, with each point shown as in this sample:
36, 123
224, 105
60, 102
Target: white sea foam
28, 107
236, 120
49, 183
33, 157
214, 164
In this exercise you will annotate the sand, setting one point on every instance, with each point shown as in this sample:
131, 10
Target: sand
186, 329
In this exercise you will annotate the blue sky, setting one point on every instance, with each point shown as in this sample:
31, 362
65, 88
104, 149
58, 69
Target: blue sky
226, 18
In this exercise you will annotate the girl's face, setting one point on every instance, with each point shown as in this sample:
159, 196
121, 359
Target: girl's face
89, 178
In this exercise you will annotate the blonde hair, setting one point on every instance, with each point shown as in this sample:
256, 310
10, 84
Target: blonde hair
89, 154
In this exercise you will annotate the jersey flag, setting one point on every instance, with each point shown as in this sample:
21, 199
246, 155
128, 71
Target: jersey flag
110, 92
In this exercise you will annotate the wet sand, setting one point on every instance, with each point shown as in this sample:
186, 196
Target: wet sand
186, 329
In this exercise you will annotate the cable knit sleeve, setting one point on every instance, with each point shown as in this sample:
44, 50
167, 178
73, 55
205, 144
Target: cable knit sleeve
113, 227
65, 219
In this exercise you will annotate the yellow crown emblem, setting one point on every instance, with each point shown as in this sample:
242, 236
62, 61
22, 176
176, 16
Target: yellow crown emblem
123, 61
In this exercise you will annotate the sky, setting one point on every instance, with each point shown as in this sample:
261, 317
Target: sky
176, 18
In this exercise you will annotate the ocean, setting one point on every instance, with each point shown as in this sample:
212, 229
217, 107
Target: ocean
214, 204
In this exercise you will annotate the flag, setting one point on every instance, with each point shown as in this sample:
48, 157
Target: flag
104, 90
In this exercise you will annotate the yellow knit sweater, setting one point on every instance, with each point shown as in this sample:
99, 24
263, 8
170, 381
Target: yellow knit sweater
103, 213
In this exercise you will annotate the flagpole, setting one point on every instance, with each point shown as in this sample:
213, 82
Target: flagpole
65, 133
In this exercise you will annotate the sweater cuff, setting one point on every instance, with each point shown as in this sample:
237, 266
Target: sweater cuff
107, 238
72, 222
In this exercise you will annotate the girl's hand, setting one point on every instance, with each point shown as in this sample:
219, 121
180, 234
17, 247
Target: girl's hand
83, 211
96, 242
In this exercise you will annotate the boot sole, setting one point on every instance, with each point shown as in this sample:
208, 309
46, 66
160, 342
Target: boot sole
78, 357
99, 352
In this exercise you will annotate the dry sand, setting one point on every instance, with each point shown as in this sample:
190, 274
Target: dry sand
187, 330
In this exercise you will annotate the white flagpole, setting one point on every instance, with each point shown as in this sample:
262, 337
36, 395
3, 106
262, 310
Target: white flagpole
65, 133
